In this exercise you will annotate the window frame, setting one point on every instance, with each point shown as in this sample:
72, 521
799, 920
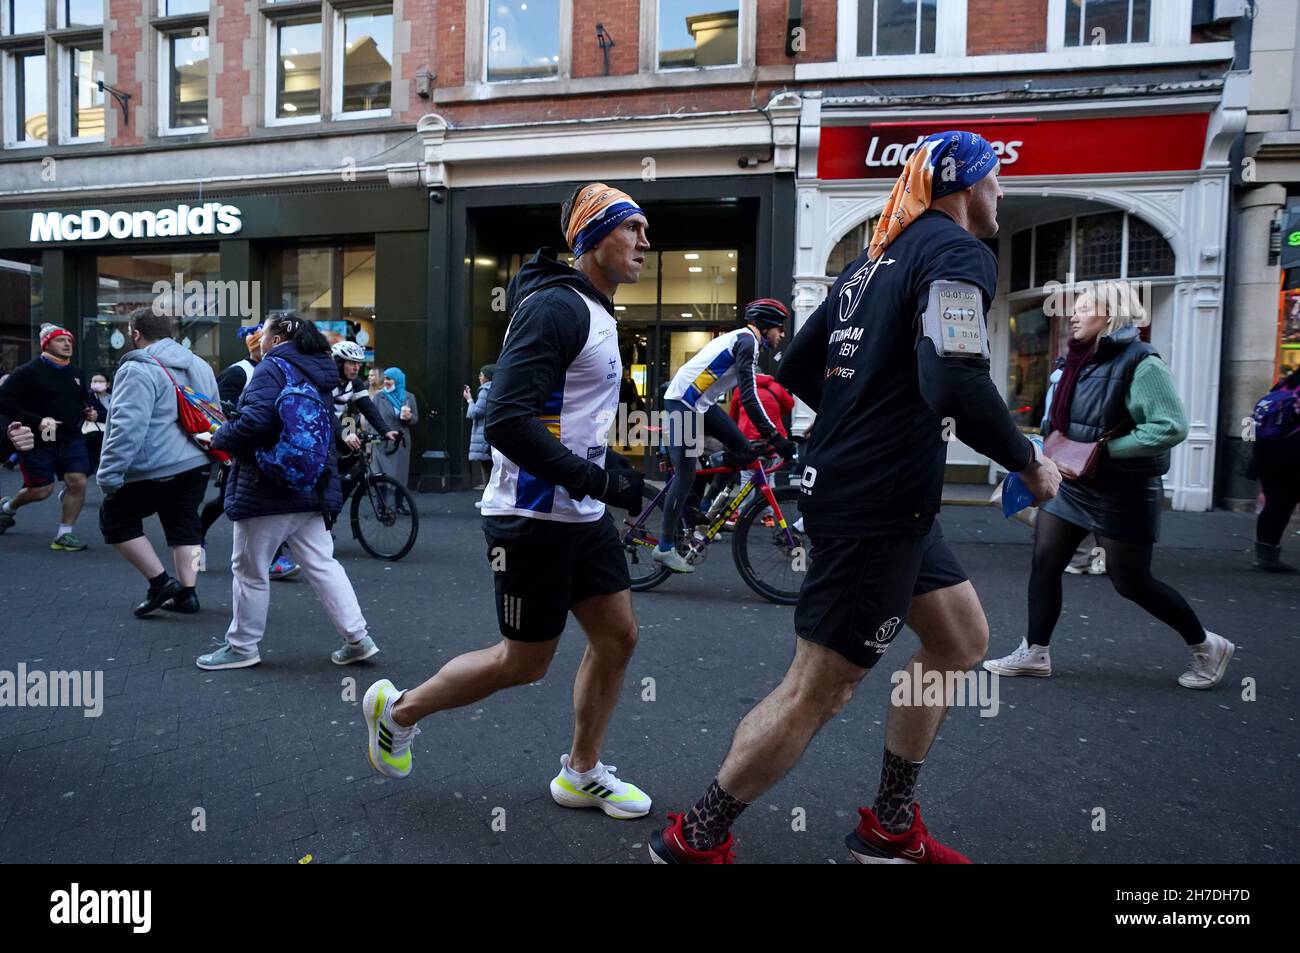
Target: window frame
949, 34
745, 16
339, 65
61, 17
67, 104
1071, 268
477, 37
11, 126
165, 32
270, 73
1171, 25
6, 7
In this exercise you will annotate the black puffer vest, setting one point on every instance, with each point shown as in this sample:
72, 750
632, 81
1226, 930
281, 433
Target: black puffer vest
1098, 404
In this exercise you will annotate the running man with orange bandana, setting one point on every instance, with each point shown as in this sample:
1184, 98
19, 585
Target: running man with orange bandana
552, 547
899, 345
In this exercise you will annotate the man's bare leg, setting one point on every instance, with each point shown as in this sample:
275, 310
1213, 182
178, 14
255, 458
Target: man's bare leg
74, 495
475, 675
954, 636
30, 494
611, 639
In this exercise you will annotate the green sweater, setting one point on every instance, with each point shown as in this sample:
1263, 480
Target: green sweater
1154, 405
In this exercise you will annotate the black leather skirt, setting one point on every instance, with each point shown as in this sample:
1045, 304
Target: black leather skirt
1126, 508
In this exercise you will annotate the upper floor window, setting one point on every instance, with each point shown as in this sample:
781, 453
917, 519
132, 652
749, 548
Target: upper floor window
171, 8
84, 109
78, 13
896, 27
698, 33
367, 61
1103, 22
22, 16
523, 40
28, 122
295, 66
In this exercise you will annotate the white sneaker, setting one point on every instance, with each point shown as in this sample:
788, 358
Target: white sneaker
390, 744
1074, 570
1026, 660
1209, 661
672, 559
599, 788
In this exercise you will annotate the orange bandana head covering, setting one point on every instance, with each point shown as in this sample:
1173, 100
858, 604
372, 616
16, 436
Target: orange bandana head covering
596, 212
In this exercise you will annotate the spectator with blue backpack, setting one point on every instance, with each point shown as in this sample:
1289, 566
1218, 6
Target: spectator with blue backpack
1276, 462
282, 487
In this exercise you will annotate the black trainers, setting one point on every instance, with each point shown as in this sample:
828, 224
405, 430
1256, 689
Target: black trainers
170, 589
187, 602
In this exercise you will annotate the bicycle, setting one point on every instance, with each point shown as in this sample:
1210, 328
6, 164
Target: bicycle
385, 520
769, 545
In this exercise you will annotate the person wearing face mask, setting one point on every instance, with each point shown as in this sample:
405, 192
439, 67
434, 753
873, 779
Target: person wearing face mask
150, 464
93, 430
47, 396
1115, 390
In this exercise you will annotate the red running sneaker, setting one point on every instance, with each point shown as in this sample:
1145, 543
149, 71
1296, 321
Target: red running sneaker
669, 847
872, 844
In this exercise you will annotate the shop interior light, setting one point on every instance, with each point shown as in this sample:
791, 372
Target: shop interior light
691, 256
687, 314
290, 108
289, 64
620, 307
694, 269
733, 268
731, 254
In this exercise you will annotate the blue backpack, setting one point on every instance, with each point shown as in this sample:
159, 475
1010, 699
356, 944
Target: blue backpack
298, 459
1277, 415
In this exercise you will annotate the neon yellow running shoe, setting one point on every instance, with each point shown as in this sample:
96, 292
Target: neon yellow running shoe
599, 788
390, 743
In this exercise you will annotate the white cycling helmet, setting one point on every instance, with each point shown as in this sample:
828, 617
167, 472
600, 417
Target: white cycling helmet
349, 351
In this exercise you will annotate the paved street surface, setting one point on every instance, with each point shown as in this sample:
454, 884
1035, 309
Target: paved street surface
275, 756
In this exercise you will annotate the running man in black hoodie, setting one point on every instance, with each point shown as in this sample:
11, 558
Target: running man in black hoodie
552, 547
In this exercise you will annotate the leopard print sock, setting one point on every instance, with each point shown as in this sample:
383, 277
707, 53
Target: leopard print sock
897, 792
707, 823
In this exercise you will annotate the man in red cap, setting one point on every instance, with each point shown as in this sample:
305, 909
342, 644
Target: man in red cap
48, 396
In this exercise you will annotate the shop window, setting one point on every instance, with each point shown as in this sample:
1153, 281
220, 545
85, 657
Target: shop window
1107, 22
1052, 252
186, 284
185, 73
295, 67
78, 13
1148, 252
22, 16
334, 286
896, 27
1098, 246
84, 120
366, 62
21, 311
523, 40
1028, 366
1022, 248
698, 33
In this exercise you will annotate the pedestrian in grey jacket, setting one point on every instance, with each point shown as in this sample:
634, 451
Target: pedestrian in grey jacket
480, 453
150, 466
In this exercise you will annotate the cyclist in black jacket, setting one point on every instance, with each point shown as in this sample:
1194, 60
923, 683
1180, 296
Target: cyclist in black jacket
894, 361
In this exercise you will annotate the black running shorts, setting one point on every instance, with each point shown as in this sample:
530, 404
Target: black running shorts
543, 568
858, 591
175, 500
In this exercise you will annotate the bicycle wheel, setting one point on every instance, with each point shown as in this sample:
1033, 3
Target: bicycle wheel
767, 563
384, 518
639, 543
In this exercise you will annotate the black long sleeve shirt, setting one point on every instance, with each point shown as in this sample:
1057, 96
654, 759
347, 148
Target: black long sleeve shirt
886, 396
40, 389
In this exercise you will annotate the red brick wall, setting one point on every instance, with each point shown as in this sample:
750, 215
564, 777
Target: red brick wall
422, 15
1006, 26
622, 19
234, 81
818, 36
448, 44
125, 43
648, 103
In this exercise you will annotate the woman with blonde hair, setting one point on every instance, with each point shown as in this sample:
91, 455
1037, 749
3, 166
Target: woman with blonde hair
1115, 390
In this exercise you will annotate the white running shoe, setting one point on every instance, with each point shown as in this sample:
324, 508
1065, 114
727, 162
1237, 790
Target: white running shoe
1209, 661
599, 788
390, 743
672, 559
1026, 660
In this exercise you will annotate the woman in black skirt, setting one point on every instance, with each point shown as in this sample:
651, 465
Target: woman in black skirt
1113, 383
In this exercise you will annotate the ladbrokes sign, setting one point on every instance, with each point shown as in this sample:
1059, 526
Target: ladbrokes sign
1025, 146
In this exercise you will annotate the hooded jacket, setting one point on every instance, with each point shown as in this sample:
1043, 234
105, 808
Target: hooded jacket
553, 396
776, 402
257, 425
143, 439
